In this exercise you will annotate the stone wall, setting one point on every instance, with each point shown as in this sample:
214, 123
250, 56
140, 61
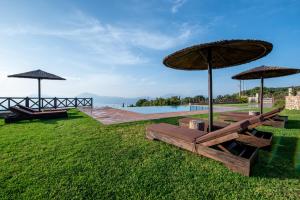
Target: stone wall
292, 102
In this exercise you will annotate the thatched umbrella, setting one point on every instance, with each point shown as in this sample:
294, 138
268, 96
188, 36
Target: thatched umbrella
216, 55
39, 75
263, 72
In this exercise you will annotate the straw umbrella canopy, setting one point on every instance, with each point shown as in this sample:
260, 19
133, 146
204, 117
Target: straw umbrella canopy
263, 72
217, 55
39, 75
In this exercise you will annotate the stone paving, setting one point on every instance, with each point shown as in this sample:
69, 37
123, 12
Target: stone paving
108, 115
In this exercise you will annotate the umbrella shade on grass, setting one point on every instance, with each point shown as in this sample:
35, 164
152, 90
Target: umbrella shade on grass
39, 75
263, 72
217, 55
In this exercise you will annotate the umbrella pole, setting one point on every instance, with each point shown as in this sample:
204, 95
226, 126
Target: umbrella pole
210, 98
39, 93
261, 95
240, 94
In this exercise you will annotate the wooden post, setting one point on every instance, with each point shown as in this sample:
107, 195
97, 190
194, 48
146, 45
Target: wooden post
261, 95
39, 93
55, 102
75, 102
242, 87
91, 102
27, 102
210, 91
8, 102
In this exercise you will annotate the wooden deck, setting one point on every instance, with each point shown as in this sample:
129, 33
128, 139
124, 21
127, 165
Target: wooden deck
108, 115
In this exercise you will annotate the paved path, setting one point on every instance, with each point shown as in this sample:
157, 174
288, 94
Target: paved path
108, 115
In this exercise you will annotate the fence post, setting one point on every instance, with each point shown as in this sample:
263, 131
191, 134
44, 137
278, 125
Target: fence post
8, 103
91, 102
75, 102
55, 102
27, 102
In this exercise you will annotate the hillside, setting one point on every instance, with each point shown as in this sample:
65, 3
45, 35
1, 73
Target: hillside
277, 93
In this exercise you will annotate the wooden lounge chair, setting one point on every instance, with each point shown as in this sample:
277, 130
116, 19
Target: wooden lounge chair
271, 118
247, 133
220, 145
44, 110
22, 114
27, 108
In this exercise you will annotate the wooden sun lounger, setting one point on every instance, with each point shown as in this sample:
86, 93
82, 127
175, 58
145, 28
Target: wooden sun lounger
247, 133
44, 110
27, 108
22, 114
220, 145
271, 118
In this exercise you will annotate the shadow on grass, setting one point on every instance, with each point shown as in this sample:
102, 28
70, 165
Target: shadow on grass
71, 116
293, 124
171, 120
282, 162
54, 121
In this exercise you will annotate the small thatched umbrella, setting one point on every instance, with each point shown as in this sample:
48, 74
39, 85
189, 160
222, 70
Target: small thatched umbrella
263, 72
39, 75
216, 55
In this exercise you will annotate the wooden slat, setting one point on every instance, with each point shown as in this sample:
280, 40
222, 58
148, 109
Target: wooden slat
221, 139
254, 141
242, 152
223, 148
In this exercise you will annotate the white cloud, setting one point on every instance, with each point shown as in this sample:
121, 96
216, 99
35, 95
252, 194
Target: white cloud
110, 44
80, 46
176, 4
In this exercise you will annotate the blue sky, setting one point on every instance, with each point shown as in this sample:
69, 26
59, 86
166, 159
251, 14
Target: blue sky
116, 47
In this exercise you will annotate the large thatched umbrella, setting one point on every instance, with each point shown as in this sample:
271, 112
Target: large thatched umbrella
216, 55
39, 75
263, 72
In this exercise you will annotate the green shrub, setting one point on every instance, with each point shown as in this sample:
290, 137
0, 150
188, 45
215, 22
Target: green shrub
243, 100
279, 103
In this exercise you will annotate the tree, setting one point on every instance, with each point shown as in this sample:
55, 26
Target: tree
174, 101
141, 102
277, 93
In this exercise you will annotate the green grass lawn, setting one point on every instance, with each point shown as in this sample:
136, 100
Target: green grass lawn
242, 105
79, 158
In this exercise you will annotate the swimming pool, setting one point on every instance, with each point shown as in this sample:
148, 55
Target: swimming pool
163, 109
